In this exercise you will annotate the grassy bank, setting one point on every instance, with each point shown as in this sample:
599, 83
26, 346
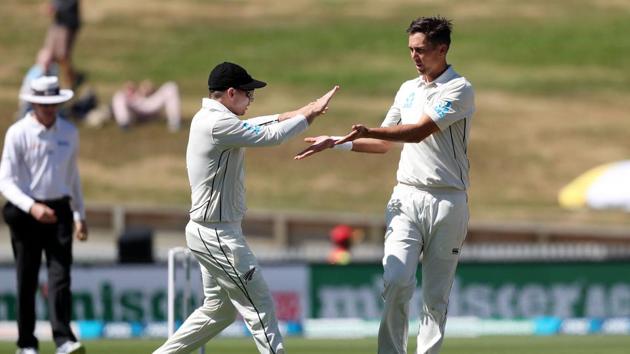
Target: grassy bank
551, 81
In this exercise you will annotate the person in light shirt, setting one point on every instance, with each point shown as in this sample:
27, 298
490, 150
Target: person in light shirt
40, 180
139, 102
428, 211
232, 279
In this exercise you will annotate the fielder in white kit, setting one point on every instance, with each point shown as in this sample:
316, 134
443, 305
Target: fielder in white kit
428, 211
232, 279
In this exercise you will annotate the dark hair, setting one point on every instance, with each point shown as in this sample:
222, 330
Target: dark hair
436, 29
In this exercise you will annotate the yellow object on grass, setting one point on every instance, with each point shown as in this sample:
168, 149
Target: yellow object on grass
573, 195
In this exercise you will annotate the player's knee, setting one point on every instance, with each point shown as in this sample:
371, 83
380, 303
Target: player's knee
397, 274
60, 279
218, 308
399, 282
231, 316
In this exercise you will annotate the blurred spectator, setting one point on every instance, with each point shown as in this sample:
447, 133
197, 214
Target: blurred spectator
61, 37
77, 107
142, 102
44, 66
341, 237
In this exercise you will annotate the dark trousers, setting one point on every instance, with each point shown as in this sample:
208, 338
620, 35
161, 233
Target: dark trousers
29, 238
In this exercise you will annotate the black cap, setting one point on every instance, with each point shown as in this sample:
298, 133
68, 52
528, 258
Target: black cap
226, 75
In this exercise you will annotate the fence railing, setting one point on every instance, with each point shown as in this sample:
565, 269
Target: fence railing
290, 228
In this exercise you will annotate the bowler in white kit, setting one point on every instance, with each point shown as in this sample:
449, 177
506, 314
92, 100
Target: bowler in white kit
232, 279
428, 211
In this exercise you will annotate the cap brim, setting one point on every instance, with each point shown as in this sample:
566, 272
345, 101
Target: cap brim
254, 84
64, 95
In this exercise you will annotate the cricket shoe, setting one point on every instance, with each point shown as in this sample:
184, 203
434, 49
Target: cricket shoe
71, 347
26, 351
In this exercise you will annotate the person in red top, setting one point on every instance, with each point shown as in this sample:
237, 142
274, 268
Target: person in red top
341, 237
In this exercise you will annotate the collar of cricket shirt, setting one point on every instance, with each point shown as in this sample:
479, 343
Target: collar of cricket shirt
214, 105
443, 78
38, 127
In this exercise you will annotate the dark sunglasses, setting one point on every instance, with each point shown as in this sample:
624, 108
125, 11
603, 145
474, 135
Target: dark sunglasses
249, 94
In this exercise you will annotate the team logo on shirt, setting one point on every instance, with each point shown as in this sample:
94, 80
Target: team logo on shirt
249, 275
252, 128
443, 108
409, 100
63, 143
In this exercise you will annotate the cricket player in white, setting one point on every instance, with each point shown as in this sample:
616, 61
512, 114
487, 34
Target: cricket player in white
232, 279
428, 211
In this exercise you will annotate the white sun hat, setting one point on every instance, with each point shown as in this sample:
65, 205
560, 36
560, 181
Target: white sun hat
45, 90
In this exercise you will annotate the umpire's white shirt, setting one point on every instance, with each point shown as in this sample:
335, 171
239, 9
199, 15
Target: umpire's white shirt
440, 160
214, 157
41, 164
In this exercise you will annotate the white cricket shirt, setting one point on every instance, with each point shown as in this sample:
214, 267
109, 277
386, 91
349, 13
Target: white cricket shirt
214, 157
440, 160
41, 164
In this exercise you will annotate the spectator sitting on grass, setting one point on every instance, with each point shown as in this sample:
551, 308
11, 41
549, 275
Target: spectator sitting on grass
142, 102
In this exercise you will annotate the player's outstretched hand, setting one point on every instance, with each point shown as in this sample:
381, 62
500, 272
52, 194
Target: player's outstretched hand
319, 106
319, 143
358, 131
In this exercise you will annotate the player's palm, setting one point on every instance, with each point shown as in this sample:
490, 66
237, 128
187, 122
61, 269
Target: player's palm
319, 143
319, 106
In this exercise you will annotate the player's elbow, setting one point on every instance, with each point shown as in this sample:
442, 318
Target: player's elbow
421, 133
270, 138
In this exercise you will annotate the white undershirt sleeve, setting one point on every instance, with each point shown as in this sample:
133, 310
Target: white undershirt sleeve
232, 131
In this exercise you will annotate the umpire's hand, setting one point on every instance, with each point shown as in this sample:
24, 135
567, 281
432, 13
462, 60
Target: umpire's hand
80, 230
42, 213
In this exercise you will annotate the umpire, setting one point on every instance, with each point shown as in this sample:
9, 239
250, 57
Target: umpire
40, 179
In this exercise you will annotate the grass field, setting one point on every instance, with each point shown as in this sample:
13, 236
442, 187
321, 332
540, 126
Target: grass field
551, 80
482, 345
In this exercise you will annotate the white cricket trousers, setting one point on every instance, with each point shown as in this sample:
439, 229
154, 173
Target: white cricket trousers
232, 283
432, 223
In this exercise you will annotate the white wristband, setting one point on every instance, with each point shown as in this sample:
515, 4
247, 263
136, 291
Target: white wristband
347, 146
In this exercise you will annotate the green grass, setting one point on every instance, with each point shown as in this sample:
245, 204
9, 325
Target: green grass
482, 345
551, 82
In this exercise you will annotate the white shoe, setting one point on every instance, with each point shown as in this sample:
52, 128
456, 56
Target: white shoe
26, 351
71, 347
